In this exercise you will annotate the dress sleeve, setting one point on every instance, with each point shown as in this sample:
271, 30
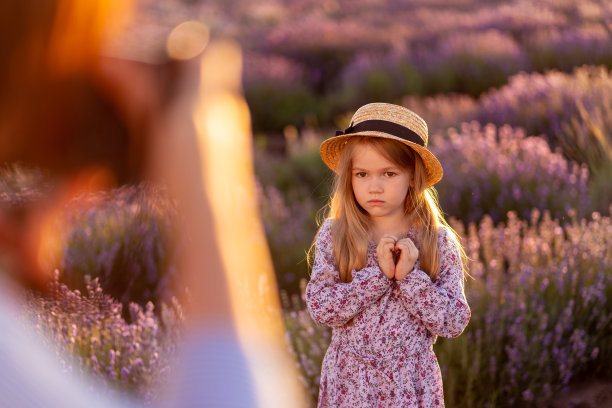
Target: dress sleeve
441, 306
332, 302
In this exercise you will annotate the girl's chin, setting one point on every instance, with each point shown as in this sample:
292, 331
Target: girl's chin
378, 213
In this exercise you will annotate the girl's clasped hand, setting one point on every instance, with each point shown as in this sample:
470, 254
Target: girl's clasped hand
403, 249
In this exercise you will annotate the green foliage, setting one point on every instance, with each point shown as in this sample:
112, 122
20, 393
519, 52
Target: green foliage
601, 188
301, 175
275, 106
464, 75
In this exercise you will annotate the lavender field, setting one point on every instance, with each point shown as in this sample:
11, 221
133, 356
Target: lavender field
518, 99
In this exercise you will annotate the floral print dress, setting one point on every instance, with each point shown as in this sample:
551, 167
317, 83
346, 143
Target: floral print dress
383, 331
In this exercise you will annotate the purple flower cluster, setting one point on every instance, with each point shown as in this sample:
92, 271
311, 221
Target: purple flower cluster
275, 69
289, 230
470, 62
317, 33
21, 186
377, 77
92, 338
489, 170
573, 110
540, 308
308, 341
124, 237
466, 61
570, 47
291, 192
442, 111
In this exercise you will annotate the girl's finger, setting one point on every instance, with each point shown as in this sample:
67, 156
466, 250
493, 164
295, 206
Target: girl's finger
389, 247
385, 249
387, 242
407, 241
402, 244
408, 248
389, 237
404, 247
408, 244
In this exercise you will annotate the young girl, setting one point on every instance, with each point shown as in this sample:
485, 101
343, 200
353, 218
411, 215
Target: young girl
387, 274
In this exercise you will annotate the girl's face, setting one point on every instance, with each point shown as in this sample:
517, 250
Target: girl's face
380, 186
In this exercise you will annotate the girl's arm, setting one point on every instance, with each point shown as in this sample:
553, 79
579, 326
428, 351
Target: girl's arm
332, 302
441, 306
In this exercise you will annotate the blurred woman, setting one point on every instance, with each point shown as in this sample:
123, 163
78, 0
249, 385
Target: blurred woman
93, 122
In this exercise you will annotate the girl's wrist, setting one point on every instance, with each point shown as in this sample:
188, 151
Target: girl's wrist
404, 275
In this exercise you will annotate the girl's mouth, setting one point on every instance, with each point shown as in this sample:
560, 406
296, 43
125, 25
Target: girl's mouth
376, 202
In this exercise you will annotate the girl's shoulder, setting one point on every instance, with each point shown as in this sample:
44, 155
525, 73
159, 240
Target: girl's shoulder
327, 224
443, 232
447, 237
324, 234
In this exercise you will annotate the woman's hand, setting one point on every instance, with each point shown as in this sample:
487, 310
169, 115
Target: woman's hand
384, 251
407, 258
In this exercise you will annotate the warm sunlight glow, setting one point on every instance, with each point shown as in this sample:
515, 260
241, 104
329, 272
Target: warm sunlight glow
81, 29
223, 126
222, 67
187, 40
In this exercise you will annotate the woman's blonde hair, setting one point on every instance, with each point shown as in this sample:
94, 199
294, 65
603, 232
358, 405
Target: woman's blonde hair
351, 225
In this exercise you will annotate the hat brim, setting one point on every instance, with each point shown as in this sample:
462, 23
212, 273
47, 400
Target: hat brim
331, 150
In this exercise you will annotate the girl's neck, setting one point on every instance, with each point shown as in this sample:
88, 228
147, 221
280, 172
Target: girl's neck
396, 227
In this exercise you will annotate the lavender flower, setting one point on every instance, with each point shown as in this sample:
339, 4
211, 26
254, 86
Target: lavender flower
574, 111
471, 62
492, 171
125, 237
91, 337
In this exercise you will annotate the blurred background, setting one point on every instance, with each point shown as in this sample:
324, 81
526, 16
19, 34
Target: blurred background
518, 99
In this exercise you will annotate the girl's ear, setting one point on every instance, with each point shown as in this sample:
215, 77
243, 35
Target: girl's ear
411, 179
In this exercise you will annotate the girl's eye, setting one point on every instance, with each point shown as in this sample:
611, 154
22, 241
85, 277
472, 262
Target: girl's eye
360, 174
389, 173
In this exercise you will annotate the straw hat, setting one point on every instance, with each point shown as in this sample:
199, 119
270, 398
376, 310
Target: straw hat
389, 122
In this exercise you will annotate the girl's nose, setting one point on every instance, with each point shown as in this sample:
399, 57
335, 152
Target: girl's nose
376, 186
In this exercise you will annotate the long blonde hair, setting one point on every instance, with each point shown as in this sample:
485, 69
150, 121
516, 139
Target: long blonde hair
351, 223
